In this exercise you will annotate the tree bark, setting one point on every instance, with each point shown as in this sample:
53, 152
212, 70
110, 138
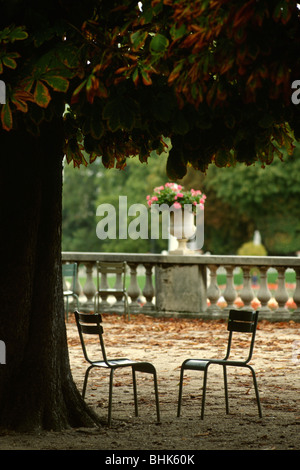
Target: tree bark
36, 386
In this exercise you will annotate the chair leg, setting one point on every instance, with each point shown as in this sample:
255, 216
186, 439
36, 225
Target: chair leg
156, 397
77, 302
135, 393
226, 389
180, 392
256, 391
67, 308
85, 380
110, 395
204, 392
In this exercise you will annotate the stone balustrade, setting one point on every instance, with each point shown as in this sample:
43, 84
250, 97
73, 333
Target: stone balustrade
186, 285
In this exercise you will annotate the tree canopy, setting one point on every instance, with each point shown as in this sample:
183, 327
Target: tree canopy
214, 76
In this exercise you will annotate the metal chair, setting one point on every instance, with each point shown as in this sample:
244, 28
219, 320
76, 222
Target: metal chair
104, 270
239, 321
90, 324
70, 271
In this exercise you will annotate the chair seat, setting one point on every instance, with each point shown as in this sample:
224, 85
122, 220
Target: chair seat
122, 362
111, 291
201, 364
68, 292
125, 362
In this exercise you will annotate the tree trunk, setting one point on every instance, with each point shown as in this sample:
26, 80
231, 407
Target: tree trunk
36, 387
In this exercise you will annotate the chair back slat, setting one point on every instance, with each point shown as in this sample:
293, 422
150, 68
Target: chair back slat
241, 321
240, 326
89, 324
112, 268
91, 329
89, 318
69, 269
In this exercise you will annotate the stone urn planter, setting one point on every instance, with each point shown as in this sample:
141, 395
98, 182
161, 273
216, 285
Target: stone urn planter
182, 228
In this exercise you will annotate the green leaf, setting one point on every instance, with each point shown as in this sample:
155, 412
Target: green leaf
176, 168
18, 34
57, 83
41, 95
158, 44
138, 39
9, 60
222, 158
6, 117
177, 33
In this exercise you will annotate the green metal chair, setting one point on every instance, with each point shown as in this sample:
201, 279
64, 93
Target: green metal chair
239, 321
90, 324
104, 270
70, 271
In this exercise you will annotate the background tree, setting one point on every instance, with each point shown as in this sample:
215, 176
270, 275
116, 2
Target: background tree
213, 76
267, 197
89, 187
80, 193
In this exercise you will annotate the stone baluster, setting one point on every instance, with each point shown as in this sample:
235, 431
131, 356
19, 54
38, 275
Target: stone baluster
103, 284
89, 288
296, 314
133, 289
264, 294
246, 294
65, 285
148, 291
230, 292
213, 291
281, 295
119, 285
78, 288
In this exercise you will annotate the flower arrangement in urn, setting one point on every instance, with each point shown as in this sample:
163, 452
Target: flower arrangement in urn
173, 194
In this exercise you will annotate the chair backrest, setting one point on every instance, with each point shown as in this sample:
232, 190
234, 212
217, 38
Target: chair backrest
118, 268
90, 324
70, 270
242, 321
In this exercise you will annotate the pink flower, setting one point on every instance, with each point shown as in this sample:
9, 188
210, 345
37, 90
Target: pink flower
176, 205
178, 195
195, 192
154, 198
